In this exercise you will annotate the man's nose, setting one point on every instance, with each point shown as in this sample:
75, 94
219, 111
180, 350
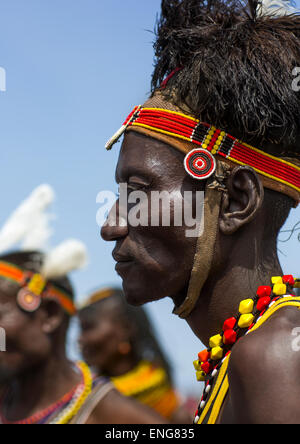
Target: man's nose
116, 226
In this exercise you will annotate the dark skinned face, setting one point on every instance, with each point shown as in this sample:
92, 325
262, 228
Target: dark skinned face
154, 262
26, 344
101, 334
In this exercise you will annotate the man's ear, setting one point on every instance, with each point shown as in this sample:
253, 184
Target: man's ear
53, 316
242, 200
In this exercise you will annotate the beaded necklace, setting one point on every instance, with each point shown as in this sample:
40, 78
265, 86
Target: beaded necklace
210, 360
69, 404
149, 385
143, 378
80, 396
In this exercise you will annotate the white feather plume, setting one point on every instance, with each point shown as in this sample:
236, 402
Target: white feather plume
29, 222
39, 235
66, 257
276, 8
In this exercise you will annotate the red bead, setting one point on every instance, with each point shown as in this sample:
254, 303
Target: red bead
289, 279
204, 356
206, 367
264, 291
263, 303
229, 324
229, 337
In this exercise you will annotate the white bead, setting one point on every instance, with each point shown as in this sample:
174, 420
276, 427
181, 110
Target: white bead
207, 390
214, 373
197, 419
202, 405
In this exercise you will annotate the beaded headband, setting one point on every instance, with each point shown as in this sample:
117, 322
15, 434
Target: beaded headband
100, 295
201, 163
34, 288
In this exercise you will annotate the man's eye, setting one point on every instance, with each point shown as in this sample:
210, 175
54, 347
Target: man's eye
137, 187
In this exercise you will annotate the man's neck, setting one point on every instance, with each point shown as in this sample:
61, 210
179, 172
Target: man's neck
40, 387
235, 279
123, 365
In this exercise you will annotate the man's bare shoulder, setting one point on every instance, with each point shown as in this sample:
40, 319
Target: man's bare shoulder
264, 371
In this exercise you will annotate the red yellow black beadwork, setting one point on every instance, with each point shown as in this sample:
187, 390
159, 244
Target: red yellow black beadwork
214, 140
200, 164
210, 360
34, 288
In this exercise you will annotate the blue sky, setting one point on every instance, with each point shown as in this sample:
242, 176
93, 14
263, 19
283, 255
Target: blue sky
74, 71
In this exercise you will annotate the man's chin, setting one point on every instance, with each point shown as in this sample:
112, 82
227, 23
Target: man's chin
139, 295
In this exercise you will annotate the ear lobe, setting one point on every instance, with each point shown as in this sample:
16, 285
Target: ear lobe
53, 316
242, 201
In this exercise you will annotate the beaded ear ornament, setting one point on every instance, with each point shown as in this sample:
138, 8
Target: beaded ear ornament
200, 164
34, 288
29, 298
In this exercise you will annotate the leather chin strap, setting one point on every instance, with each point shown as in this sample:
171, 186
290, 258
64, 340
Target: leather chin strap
206, 243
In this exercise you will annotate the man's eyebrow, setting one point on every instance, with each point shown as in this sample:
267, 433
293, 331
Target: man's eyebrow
131, 171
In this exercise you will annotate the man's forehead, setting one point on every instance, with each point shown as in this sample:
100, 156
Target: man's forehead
8, 290
141, 154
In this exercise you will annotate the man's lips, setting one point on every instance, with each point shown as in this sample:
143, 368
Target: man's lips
120, 259
123, 262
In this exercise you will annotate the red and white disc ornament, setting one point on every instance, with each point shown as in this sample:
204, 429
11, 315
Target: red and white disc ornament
28, 301
200, 164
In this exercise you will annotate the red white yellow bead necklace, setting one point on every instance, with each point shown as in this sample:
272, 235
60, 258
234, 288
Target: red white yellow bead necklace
68, 405
210, 361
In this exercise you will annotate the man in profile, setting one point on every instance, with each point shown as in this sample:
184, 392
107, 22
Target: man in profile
225, 121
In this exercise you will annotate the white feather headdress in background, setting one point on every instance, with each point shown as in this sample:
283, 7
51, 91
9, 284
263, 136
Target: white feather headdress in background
29, 228
276, 8
28, 220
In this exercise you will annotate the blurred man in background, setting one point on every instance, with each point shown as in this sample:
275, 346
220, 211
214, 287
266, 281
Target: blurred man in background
39, 384
118, 341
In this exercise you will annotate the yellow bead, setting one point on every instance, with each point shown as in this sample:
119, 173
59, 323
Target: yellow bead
246, 306
214, 152
218, 142
204, 146
215, 341
197, 365
201, 376
217, 353
246, 320
280, 289
223, 133
277, 280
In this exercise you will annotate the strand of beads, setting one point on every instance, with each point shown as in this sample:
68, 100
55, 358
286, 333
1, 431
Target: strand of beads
80, 396
40, 416
144, 378
210, 361
67, 400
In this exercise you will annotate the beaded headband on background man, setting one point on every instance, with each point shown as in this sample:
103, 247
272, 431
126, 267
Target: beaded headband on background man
39, 275
188, 34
